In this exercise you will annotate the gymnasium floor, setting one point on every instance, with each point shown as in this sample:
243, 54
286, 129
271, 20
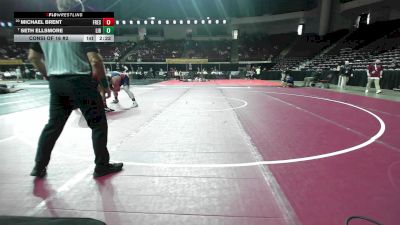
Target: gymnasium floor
226, 153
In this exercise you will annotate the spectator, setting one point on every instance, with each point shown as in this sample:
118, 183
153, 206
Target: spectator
345, 72
18, 73
125, 69
374, 73
27, 72
395, 64
258, 72
310, 81
284, 74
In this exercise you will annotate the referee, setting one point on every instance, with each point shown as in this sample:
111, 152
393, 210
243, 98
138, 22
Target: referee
74, 70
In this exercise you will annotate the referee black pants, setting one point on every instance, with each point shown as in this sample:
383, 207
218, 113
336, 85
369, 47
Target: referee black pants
69, 92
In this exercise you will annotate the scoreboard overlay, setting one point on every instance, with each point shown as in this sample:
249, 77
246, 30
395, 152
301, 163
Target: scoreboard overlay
64, 26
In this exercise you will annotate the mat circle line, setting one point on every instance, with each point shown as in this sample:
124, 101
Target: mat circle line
284, 161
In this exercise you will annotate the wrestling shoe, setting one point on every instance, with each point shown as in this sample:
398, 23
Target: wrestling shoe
108, 109
134, 104
110, 168
39, 171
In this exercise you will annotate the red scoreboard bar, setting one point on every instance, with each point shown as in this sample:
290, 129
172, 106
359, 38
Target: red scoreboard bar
64, 26
108, 21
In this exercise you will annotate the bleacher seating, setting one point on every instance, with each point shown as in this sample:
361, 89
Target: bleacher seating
13, 50
365, 35
309, 45
359, 51
263, 47
158, 51
115, 51
288, 63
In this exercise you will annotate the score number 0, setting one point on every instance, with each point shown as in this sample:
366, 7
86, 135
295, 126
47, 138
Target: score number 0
108, 21
108, 25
